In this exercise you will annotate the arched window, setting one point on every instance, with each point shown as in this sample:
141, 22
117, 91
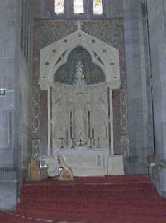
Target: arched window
78, 6
59, 6
97, 7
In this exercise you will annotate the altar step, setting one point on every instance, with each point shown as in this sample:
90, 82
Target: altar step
113, 185
115, 199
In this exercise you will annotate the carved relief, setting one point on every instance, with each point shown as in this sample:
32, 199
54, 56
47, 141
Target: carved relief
35, 149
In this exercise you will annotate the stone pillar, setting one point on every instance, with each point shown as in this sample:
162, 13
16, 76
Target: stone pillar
157, 39
8, 43
138, 126
110, 122
43, 122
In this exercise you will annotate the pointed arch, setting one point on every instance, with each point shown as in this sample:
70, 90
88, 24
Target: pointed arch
66, 73
103, 55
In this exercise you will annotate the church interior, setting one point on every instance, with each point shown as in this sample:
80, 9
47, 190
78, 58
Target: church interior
83, 111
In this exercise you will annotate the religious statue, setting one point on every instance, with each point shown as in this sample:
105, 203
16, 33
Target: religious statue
65, 172
80, 77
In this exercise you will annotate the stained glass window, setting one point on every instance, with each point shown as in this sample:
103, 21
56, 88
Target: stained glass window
98, 7
78, 6
59, 6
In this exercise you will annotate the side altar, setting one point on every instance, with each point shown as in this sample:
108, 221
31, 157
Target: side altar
79, 79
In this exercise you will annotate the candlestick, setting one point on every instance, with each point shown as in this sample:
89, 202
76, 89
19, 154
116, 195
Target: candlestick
93, 133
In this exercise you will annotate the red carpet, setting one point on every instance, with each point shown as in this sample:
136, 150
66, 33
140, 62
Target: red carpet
119, 199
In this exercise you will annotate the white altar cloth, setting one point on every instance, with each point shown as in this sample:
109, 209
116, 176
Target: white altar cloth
85, 161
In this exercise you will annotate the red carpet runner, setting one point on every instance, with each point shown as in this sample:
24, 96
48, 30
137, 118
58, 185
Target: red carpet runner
115, 199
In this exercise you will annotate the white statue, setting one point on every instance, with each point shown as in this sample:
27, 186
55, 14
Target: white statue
80, 81
66, 173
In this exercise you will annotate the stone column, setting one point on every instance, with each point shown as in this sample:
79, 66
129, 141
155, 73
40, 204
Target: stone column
110, 122
157, 38
49, 123
8, 67
43, 122
140, 142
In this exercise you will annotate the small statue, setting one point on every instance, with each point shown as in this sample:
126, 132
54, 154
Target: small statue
66, 173
80, 81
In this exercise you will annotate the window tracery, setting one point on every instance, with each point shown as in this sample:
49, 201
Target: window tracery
78, 7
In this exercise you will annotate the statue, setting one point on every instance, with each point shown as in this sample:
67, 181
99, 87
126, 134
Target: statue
65, 172
80, 77
58, 169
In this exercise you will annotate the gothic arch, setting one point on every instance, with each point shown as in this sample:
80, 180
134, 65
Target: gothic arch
56, 54
93, 74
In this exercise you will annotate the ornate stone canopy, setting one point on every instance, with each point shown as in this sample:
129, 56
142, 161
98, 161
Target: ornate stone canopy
102, 55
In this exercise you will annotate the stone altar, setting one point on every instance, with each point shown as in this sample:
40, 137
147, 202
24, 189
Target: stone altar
80, 78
